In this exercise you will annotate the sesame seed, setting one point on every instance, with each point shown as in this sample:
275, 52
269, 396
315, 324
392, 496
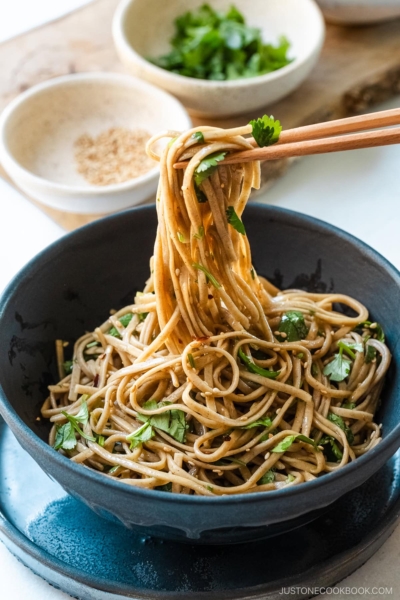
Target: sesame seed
282, 334
267, 455
305, 365
247, 449
177, 272
278, 410
276, 349
270, 435
373, 325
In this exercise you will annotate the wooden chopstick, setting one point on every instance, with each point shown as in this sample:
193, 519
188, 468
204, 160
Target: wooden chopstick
312, 139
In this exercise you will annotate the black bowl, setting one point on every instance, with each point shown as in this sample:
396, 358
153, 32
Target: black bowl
70, 287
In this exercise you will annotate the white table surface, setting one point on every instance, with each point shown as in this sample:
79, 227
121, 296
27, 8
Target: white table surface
357, 191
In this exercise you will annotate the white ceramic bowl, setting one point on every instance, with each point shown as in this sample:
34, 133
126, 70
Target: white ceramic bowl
143, 28
359, 12
38, 130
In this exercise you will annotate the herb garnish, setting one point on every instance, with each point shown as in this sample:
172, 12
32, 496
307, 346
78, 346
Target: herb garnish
216, 45
172, 421
207, 166
288, 441
234, 220
67, 366
293, 325
266, 130
337, 420
264, 422
124, 320
208, 275
143, 434
65, 436
199, 137
253, 368
268, 477
332, 451
200, 195
191, 361
339, 368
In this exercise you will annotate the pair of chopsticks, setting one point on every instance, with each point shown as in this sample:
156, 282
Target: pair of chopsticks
333, 136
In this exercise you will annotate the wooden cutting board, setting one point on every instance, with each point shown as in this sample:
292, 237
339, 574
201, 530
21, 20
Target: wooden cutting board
358, 68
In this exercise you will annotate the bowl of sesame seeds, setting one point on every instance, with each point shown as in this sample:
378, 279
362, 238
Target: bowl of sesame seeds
77, 143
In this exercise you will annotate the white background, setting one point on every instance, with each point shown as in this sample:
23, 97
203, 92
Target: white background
357, 191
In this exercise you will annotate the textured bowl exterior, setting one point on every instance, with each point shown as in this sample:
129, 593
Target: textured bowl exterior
359, 12
71, 286
142, 28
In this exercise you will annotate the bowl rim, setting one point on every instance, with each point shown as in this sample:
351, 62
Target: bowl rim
111, 78
121, 42
89, 475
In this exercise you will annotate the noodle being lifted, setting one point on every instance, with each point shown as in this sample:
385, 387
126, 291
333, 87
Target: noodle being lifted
214, 382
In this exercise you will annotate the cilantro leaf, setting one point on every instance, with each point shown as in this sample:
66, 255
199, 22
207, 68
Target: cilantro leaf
293, 325
65, 437
370, 353
266, 130
253, 368
167, 487
67, 366
348, 347
191, 361
349, 405
200, 195
199, 137
288, 441
141, 435
172, 421
217, 45
338, 369
375, 329
337, 420
265, 422
207, 166
268, 477
333, 452
82, 417
207, 273
234, 220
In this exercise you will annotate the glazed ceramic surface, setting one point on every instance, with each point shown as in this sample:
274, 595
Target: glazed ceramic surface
71, 286
39, 128
143, 28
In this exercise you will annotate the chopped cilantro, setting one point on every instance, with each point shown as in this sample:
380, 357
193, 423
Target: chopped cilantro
337, 420
288, 441
65, 436
268, 477
207, 166
266, 130
265, 422
253, 368
143, 434
375, 330
67, 366
218, 45
207, 273
348, 347
200, 234
167, 487
293, 325
234, 220
339, 368
349, 406
92, 344
172, 421
370, 353
191, 361
333, 452
200, 195
199, 137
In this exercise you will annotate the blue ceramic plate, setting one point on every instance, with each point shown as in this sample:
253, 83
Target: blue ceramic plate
94, 559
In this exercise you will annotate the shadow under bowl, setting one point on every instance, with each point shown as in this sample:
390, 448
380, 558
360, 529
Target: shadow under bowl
70, 287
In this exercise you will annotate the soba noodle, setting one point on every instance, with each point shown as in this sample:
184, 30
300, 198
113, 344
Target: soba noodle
214, 381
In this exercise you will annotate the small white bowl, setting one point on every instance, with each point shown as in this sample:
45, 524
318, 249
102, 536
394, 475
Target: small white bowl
39, 128
143, 28
359, 12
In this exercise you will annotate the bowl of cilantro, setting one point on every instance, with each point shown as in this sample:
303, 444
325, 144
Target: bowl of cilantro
220, 59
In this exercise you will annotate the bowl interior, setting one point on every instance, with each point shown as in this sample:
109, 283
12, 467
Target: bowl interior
41, 131
148, 25
71, 287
